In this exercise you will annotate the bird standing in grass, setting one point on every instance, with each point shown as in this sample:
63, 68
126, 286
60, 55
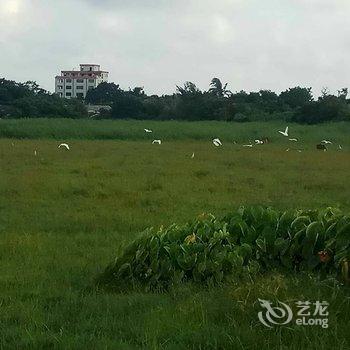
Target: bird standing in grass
217, 142
159, 142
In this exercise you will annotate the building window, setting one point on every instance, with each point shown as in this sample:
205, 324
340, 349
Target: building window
91, 80
68, 94
80, 95
80, 87
60, 87
69, 87
80, 80
68, 80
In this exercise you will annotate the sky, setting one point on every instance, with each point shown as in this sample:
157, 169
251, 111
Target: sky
158, 44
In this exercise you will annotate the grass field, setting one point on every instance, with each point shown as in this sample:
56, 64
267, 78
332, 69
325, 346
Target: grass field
132, 130
64, 215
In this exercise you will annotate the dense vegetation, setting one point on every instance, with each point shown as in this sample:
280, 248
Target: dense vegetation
212, 250
187, 103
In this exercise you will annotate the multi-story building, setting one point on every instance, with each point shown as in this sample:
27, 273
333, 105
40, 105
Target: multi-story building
76, 83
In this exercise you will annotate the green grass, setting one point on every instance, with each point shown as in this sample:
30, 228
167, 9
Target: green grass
64, 215
168, 130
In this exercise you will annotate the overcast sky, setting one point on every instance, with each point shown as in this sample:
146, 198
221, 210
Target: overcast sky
251, 44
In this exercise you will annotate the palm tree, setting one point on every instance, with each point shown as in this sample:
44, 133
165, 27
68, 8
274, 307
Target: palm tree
218, 89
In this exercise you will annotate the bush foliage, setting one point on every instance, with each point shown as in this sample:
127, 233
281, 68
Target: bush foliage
212, 250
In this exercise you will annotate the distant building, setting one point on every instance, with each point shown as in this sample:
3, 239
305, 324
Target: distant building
76, 83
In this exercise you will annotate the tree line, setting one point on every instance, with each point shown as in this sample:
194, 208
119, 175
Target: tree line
29, 100
188, 102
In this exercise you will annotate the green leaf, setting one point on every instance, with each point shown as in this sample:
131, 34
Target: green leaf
300, 222
261, 244
281, 246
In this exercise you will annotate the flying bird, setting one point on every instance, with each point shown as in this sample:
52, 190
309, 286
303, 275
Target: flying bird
340, 147
64, 145
250, 145
217, 142
326, 142
285, 132
258, 142
192, 155
148, 130
295, 140
157, 141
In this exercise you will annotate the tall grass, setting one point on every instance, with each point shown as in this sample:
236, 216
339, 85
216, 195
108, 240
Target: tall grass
167, 130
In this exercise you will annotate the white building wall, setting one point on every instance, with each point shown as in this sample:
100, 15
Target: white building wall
72, 84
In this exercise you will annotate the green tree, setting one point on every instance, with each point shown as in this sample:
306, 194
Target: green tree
218, 89
296, 97
104, 93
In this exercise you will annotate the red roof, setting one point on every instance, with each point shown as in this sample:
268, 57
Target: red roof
80, 75
84, 71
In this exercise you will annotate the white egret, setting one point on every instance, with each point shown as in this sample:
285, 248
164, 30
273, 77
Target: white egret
294, 139
285, 132
157, 141
148, 130
217, 142
64, 145
327, 142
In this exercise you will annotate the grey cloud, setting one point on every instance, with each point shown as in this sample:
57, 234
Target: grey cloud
251, 44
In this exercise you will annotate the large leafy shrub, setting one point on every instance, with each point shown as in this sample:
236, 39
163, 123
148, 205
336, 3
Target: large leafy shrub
211, 250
